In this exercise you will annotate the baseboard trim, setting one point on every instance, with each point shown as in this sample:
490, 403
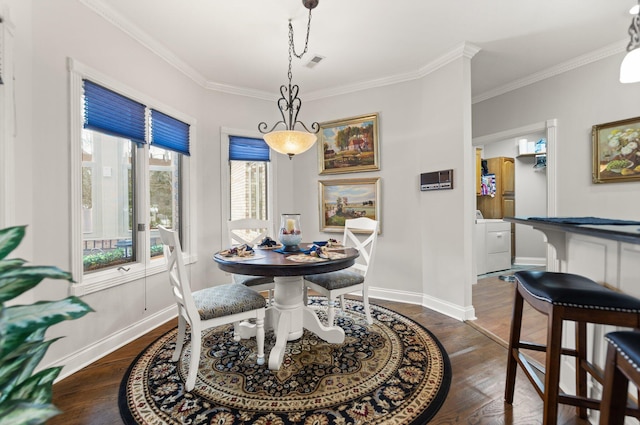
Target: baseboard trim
452, 310
393, 295
530, 261
87, 355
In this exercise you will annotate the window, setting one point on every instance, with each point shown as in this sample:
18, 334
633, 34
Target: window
169, 144
248, 178
108, 205
164, 194
248, 160
130, 162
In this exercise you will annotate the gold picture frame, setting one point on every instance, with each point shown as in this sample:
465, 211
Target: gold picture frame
343, 199
616, 151
349, 145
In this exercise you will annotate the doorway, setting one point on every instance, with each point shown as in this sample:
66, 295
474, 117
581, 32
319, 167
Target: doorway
531, 249
505, 143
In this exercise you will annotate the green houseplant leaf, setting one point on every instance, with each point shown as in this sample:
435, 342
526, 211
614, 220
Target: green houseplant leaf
25, 413
15, 281
10, 238
25, 396
22, 320
17, 367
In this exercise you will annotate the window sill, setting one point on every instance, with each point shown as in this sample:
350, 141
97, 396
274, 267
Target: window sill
100, 281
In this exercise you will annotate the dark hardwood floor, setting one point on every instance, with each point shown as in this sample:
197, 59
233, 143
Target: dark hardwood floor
90, 396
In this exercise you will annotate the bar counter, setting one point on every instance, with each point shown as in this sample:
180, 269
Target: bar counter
613, 229
604, 250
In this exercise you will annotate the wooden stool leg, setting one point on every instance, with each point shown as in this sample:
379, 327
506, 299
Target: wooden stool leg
552, 367
514, 347
614, 392
581, 373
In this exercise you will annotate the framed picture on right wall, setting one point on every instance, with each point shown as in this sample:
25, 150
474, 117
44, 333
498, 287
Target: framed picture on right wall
616, 151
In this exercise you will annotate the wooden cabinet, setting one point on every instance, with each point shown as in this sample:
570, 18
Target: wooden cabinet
503, 204
508, 174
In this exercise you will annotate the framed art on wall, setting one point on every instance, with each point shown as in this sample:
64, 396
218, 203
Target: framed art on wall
349, 145
616, 151
348, 198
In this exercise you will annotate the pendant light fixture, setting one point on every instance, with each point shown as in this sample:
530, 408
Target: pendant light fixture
630, 67
291, 141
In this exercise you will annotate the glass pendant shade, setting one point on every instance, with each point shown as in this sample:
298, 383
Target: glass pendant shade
630, 67
290, 142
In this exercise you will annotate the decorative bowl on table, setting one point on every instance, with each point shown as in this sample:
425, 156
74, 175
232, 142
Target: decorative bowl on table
290, 235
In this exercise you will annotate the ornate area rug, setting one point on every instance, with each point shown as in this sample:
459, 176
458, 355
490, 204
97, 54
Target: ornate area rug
392, 372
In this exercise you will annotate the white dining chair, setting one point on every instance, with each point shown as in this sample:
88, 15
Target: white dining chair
341, 282
251, 231
207, 308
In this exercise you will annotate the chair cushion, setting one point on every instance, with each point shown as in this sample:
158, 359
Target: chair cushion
571, 290
627, 343
248, 280
336, 280
223, 300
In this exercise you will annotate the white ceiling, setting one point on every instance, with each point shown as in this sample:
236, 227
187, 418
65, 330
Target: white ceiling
242, 45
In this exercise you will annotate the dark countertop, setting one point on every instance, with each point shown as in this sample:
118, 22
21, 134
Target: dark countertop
617, 230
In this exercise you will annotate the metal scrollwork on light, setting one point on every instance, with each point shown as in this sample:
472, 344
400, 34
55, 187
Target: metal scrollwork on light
289, 103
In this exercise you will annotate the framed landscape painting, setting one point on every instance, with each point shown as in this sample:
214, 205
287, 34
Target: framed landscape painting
349, 198
616, 151
349, 145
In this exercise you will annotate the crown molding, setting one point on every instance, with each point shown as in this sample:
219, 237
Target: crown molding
577, 62
129, 28
466, 50
241, 91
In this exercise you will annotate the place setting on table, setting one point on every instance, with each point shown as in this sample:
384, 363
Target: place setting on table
290, 245
289, 315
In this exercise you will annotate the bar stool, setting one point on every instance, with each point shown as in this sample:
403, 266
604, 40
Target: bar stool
563, 296
623, 365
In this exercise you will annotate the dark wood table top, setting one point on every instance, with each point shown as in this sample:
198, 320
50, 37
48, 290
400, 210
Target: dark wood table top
270, 263
589, 226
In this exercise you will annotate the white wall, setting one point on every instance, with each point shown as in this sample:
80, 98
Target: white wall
17, 16
47, 33
424, 250
578, 99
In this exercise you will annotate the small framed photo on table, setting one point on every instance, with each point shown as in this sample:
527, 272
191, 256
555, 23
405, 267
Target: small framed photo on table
344, 199
349, 145
616, 151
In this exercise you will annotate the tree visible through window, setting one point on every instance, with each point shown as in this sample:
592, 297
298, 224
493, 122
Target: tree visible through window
164, 201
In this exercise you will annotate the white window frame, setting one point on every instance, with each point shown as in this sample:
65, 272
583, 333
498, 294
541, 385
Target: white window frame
144, 266
225, 179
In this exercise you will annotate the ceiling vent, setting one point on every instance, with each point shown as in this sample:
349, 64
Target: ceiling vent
316, 59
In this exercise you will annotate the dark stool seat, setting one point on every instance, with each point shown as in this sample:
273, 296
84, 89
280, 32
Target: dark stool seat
564, 296
622, 366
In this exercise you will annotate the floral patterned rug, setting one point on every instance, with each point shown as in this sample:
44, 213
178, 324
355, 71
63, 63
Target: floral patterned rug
392, 372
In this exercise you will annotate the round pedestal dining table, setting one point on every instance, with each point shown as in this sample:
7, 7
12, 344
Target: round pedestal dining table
288, 315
